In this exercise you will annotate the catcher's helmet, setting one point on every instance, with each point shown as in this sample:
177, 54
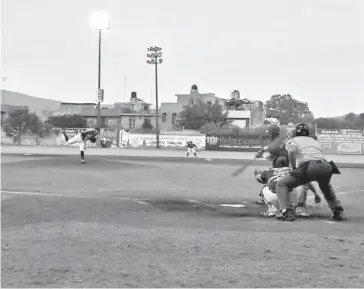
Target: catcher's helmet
302, 129
273, 130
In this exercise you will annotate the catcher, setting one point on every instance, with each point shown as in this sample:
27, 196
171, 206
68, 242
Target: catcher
269, 179
81, 139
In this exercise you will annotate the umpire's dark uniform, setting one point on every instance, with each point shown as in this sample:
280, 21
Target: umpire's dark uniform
312, 166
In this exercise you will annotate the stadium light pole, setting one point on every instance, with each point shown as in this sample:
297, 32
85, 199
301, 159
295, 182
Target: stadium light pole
155, 58
3, 91
99, 20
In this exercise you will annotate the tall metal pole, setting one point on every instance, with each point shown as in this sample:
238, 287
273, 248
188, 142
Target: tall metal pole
155, 57
156, 102
3, 91
99, 83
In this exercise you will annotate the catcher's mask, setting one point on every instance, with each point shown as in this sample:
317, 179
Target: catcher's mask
280, 162
302, 129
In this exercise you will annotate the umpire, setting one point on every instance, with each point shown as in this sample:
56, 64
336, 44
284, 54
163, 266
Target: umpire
312, 166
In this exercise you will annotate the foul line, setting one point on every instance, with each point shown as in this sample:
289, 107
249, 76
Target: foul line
71, 196
139, 201
341, 193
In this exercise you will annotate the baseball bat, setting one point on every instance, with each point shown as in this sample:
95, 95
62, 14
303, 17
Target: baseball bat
242, 168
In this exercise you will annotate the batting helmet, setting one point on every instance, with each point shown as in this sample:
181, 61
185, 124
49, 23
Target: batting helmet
273, 130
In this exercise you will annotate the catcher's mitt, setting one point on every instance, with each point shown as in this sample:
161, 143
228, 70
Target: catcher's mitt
93, 139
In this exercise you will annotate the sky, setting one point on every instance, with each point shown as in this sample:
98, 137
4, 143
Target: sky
311, 49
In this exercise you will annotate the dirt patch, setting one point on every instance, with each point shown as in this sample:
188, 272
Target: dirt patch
90, 255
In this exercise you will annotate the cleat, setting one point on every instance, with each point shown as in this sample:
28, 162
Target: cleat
286, 215
271, 212
83, 161
338, 215
301, 212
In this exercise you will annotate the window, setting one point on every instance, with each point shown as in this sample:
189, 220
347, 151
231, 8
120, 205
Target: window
112, 121
209, 103
132, 122
174, 115
164, 117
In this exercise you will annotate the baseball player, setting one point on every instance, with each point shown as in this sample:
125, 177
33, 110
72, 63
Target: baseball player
276, 149
269, 179
308, 164
191, 148
81, 139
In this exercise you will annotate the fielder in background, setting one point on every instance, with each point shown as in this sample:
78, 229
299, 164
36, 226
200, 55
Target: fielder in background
308, 165
81, 139
191, 148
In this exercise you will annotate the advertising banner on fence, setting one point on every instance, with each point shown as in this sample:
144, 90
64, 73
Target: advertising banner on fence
165, 141
236, 143
109, 137
341, 141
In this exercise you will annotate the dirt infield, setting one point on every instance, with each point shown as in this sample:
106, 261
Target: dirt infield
117, 223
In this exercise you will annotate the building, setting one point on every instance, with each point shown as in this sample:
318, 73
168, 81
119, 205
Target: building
129, 115
74, 107
241, 112
170, 111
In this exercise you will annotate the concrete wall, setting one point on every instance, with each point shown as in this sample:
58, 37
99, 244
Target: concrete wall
167, 110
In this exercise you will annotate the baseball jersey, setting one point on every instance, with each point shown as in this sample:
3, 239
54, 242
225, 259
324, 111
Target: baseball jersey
277, 147
307, 149
90, 133
191, 145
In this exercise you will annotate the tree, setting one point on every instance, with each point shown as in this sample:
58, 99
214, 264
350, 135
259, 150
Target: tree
348, 121
196, 116
287, 109
20, 123
68, 121
212, 128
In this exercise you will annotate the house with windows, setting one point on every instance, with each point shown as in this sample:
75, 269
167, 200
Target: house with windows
170, 111
241, 112
244, 112
127, 115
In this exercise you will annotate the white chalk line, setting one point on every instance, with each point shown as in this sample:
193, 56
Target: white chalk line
70, 196
341, 193
141, 201
31, 193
